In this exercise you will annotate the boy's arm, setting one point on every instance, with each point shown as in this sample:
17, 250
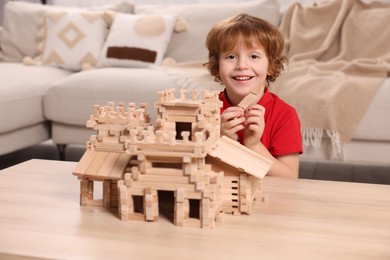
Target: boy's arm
283, 165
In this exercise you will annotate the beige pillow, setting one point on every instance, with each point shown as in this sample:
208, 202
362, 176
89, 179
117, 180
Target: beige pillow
190, 44
137, 40
21, 26
74, 38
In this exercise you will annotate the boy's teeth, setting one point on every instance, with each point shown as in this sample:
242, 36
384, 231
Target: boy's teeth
242, 78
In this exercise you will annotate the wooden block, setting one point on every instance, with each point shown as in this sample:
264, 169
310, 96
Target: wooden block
148, 205
180, 195
155, 205
128, 179
106, 193
149, 177
186, 159
251, 97
186, 205
209, 195
200, 185
135, 173
205, 213
187, 169
123, 201
179, 214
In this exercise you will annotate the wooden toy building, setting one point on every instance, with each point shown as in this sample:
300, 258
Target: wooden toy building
182, 153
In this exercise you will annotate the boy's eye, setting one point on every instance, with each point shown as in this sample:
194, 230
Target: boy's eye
230, 57
255, 56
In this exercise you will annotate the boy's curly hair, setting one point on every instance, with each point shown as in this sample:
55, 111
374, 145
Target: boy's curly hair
255, 31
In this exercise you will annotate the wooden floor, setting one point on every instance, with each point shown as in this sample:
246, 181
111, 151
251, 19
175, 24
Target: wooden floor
335, 171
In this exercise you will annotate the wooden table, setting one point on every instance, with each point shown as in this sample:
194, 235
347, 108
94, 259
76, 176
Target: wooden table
40, 217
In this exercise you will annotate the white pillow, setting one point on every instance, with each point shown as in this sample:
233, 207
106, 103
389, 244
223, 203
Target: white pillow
74, 38
137, 40
200, 17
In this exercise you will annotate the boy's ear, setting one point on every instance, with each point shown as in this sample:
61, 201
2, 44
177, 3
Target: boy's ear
270, 72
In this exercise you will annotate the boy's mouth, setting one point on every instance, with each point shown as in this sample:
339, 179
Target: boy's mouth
242, 78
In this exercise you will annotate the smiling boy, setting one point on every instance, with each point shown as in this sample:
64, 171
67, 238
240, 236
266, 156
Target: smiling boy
245, 53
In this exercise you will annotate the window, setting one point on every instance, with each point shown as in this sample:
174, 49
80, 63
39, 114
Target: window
183, 127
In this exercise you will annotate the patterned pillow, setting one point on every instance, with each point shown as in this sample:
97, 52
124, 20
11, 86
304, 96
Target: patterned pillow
22, 21
73, 39
137, 40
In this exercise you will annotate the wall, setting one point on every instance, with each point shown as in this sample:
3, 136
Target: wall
81, 3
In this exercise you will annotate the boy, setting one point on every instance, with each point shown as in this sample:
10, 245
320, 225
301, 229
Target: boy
245, 54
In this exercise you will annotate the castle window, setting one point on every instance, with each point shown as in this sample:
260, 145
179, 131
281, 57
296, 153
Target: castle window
194, 208
138, 204
183, 127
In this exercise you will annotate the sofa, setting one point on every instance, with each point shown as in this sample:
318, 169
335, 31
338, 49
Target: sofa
45, 96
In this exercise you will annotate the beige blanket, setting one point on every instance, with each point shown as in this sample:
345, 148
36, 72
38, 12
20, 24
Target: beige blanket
339, 54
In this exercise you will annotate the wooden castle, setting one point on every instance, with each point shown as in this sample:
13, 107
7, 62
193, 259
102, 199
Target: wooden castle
182, 153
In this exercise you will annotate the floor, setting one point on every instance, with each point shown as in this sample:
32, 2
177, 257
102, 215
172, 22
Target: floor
335, 171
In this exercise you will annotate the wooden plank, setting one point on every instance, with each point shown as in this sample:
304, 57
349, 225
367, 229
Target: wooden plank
97, 162
166, 172
84, 163
162, 186
252, 97
165, 179
184, 111
182, 118
108, 164
240, 157
120, 166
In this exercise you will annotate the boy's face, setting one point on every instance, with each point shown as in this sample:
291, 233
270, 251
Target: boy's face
241, 69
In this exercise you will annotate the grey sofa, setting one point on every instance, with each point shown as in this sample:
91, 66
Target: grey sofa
38, 103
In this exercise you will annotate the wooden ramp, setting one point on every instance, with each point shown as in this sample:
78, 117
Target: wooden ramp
240, 157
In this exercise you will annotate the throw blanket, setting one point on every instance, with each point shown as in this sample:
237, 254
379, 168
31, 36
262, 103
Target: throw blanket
339, 53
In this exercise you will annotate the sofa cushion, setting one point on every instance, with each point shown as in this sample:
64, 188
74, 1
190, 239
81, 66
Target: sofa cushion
20, 41
22, 90
137, 40
70, 100
74, 38
190, 45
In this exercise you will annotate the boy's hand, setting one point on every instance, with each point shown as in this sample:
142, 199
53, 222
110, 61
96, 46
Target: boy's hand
254, 125
232, 121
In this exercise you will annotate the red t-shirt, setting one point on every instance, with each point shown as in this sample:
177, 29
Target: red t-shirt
282, 131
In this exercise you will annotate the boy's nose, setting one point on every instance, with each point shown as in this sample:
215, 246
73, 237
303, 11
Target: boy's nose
241, 64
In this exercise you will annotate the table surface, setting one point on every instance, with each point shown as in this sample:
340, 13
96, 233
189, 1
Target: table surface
40, 217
